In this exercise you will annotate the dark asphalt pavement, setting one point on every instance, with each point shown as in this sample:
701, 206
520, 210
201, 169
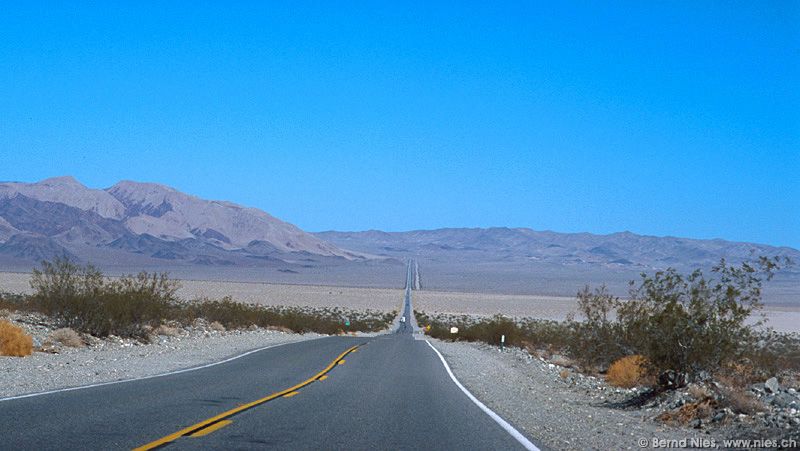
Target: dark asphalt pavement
391, 393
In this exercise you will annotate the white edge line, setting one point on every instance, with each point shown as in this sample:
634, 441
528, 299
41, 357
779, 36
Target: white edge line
503, 423
153, 376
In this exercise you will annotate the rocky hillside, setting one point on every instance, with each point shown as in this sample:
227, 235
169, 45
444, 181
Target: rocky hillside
138, 222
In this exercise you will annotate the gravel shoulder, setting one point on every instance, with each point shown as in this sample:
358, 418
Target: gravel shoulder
557, 412
115, 359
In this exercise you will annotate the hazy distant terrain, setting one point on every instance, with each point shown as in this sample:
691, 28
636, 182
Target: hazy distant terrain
524, 261
134, 226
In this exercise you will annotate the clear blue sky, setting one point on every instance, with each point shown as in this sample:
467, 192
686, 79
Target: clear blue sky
662, 118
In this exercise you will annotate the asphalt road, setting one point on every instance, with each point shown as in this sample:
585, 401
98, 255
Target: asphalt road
385, 392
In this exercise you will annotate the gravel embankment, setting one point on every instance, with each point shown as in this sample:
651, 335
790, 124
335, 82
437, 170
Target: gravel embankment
117, 359
558, 413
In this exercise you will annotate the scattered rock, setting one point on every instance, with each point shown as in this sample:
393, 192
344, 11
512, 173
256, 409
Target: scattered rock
772, 386
784, 400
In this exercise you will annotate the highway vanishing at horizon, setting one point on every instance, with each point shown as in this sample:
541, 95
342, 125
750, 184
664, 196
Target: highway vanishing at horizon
391, 391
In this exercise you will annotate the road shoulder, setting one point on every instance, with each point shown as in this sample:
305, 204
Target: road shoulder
119, 359
558, 413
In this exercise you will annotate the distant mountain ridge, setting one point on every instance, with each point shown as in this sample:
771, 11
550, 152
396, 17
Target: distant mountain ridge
624, 250
61, 216
132, 226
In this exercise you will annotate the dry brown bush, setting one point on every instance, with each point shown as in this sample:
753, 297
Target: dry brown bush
67, 337
739, 374
698, 392
688, 412
737, 398
628, 372
14, 341
563, 374
217, 326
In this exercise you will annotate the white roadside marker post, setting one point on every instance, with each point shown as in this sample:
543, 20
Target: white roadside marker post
502, 341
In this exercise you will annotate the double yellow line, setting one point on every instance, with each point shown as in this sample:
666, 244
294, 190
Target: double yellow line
216, 422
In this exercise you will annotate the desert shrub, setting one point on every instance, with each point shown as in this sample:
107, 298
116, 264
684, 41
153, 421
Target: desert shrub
488, 330
14, 341
690, 323
236, 315
681, 325
627, 372
769, 352
67, 337
735, 395
80, 297
13, 302
595, 341
688, 412
526, 333
217, 326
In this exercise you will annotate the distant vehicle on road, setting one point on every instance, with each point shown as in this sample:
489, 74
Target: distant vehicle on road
402, 319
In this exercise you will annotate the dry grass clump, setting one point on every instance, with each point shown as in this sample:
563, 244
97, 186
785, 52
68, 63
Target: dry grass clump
627, 372
741, 402
735, 395
14, 341
217, 326
688, 412
561, 360
167, 331
67, 337
281, 329
699, 392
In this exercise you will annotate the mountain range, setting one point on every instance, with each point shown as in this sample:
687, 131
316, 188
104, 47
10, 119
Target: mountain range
145, 221
133, 225
501, 244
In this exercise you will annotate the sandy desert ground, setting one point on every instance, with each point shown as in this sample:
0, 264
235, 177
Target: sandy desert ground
782, 318
385, 299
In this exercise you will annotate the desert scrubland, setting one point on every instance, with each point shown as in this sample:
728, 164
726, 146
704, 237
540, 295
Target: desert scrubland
781, 317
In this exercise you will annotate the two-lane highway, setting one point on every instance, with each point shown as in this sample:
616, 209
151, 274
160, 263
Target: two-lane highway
386, 392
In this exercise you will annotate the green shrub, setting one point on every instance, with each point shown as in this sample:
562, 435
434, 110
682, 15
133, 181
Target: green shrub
236, 315
689, 324
521, 333
680, 325
81, 298
595, 342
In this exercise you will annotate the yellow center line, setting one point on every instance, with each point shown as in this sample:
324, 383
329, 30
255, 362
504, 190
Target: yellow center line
210, 429
322, 378
289, 395
218, 418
